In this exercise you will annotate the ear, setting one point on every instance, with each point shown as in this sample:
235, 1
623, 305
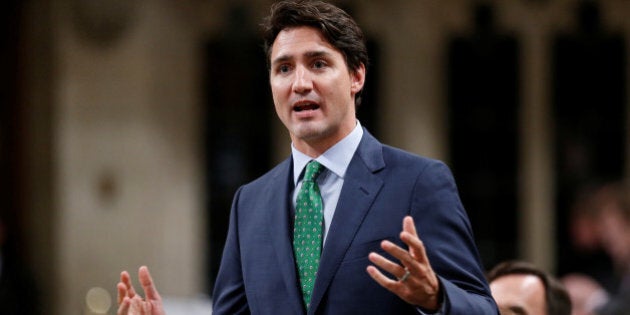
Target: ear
358, 79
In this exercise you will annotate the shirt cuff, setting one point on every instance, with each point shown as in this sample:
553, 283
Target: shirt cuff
439, 312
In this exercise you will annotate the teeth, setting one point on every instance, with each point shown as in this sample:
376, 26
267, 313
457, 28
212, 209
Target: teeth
309, 106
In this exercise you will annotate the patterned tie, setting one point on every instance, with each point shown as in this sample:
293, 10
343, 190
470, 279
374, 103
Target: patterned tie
307, 231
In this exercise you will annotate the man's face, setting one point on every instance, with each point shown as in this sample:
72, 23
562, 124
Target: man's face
313, 89
517, 294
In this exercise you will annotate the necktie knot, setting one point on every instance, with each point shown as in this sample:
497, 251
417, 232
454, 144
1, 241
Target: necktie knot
313, 169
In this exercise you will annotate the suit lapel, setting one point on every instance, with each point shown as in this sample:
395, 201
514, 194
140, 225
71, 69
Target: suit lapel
278, 193
360, 188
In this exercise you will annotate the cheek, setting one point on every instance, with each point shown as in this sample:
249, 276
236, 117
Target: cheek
279, 99
279, 85
336, 91
275, 90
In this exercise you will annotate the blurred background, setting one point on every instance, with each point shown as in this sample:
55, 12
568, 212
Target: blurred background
127, 125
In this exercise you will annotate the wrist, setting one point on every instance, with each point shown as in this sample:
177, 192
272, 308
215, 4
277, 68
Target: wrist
434, 303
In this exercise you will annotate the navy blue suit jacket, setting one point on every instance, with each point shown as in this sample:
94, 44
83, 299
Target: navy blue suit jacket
382, 185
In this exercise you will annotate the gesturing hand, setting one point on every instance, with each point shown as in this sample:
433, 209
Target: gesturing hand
416, 282
130, 303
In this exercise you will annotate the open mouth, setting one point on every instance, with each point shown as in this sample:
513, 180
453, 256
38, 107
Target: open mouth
305, 106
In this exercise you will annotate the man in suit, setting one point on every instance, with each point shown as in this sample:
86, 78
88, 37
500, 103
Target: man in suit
386, 234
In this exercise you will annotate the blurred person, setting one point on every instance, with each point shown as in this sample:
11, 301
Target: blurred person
586, 254
520, 288
612, 205
591, 275
18, 292
358, 193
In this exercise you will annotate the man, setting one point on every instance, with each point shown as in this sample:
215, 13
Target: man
519, 288
345, 210
611, 206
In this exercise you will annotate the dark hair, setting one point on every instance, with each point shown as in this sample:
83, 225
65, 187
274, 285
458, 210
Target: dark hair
556, 296
337, 27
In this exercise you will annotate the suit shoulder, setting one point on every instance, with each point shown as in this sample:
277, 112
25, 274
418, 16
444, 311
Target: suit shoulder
409, 159
281, 170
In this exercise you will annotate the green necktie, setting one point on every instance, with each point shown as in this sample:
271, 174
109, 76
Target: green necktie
307, 231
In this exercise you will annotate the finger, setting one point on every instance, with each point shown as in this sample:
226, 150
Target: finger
381, 279
399, 253
122, 292
123, 309
410, 228
126, 280
409, 225
392, 268
146, 281
410, 237
416, 247
421, 267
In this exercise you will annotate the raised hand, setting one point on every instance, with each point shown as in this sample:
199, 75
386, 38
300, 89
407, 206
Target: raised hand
130, 303
416, 282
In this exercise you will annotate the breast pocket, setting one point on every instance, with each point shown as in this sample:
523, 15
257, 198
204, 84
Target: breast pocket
361, 250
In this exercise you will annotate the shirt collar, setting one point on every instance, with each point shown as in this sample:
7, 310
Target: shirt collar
336, 158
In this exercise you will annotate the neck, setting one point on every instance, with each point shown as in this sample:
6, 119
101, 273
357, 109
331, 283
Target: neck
316, 146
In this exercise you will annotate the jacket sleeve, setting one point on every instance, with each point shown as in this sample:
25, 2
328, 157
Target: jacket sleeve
442, 221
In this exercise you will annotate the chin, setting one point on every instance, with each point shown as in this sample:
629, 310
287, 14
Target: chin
311, 132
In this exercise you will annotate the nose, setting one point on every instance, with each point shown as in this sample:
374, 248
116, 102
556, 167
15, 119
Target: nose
302, 82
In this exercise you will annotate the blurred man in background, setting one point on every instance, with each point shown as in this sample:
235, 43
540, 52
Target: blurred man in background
519, 288
608, 208
613, 219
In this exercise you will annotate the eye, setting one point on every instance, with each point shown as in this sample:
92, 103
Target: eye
283, 68
319, 64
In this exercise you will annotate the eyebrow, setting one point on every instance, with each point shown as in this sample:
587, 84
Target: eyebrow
308, 54
317, 53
